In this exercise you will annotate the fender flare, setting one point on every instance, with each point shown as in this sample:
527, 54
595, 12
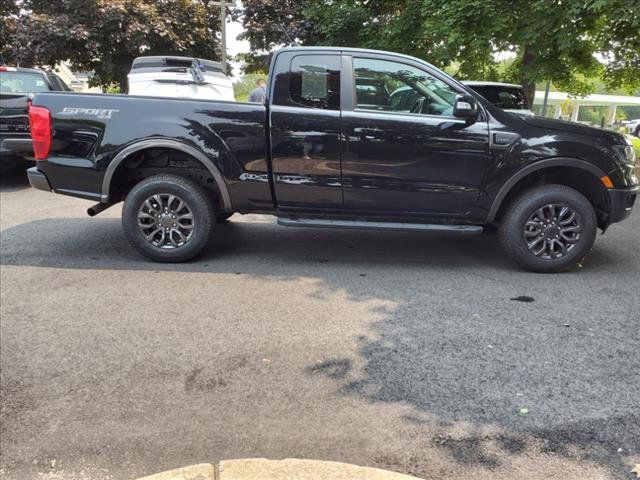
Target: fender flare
534, 167
166, 143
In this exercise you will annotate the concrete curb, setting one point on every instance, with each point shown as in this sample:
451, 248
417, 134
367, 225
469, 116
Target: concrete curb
287, 469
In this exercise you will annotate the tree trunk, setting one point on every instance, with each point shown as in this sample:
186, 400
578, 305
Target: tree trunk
123, 83
527, 80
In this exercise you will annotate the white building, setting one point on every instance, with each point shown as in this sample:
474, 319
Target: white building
77, 81
557, 99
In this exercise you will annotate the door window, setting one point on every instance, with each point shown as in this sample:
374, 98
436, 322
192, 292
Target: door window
396, 87
314, 81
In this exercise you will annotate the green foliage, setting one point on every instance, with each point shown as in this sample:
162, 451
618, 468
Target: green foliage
631, 111
636, 146
592, 115
617, 34
269, 24
246, 84
106, 35
551, 39
8, 17
546, 36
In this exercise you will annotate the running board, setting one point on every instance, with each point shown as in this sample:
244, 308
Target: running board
364, 225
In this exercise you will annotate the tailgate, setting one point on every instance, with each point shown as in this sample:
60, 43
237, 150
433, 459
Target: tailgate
13, 114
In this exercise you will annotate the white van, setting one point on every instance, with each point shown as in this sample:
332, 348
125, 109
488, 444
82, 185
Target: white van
179, 77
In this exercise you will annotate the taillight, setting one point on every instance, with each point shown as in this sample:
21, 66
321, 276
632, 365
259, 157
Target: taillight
41, 134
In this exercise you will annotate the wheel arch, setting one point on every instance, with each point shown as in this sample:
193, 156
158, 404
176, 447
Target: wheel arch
169, 144
536, 169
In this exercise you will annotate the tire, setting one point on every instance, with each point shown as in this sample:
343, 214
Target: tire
223, 216
522, 226
179, 212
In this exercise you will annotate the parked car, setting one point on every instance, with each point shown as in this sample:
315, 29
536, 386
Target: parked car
633, 126
314, 156
179, 77
16, 84
507, 96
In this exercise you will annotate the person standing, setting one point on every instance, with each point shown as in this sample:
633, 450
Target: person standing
259, 94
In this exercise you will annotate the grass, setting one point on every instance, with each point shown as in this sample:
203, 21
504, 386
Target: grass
636, 145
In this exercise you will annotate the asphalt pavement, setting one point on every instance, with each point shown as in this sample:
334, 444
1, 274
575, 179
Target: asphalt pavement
425, 354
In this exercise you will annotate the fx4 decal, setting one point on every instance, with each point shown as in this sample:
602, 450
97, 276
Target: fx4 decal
97, 112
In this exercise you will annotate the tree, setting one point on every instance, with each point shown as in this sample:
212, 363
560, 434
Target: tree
269, 24
547, 37
618, 37
106, 35
8, 15
551, 39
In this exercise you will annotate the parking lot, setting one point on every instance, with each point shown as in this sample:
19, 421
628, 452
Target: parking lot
425, 354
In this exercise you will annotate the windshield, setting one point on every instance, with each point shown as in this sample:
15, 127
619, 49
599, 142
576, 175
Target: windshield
511, 98
23, 82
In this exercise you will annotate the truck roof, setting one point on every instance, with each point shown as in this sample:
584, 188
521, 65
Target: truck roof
5, 68
354, 50
160, 62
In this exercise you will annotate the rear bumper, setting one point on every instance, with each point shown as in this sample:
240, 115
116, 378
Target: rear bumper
38, 180
16, 146
621, 202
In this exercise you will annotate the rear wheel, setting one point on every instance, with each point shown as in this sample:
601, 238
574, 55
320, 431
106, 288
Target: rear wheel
168, 218
548, 228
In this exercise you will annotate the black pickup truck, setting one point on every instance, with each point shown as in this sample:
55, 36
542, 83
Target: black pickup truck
16, 85
334, 147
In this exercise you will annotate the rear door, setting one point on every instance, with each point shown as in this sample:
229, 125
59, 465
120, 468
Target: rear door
305, 126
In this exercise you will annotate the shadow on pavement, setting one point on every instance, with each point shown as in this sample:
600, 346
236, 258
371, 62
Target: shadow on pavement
456, 347
14, 177
100, 243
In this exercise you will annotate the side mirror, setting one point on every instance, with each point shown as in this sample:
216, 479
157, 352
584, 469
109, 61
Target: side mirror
465, 107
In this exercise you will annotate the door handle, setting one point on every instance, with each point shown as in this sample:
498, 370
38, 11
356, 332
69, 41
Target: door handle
369, 133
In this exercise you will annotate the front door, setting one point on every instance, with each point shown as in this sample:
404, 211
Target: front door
405, 153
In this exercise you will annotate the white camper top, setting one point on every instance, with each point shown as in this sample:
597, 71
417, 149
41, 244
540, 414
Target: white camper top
179, 77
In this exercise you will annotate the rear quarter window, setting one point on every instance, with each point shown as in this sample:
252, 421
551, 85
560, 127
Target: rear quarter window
314, 82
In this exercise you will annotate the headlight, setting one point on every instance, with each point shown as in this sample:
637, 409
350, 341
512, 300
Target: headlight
626, 154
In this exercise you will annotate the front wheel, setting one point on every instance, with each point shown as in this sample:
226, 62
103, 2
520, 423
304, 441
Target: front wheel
548, 228
168, 218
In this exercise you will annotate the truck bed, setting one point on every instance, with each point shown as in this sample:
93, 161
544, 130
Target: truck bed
92, 133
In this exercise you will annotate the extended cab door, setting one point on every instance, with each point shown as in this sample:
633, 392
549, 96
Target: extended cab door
405, 153
305, 124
